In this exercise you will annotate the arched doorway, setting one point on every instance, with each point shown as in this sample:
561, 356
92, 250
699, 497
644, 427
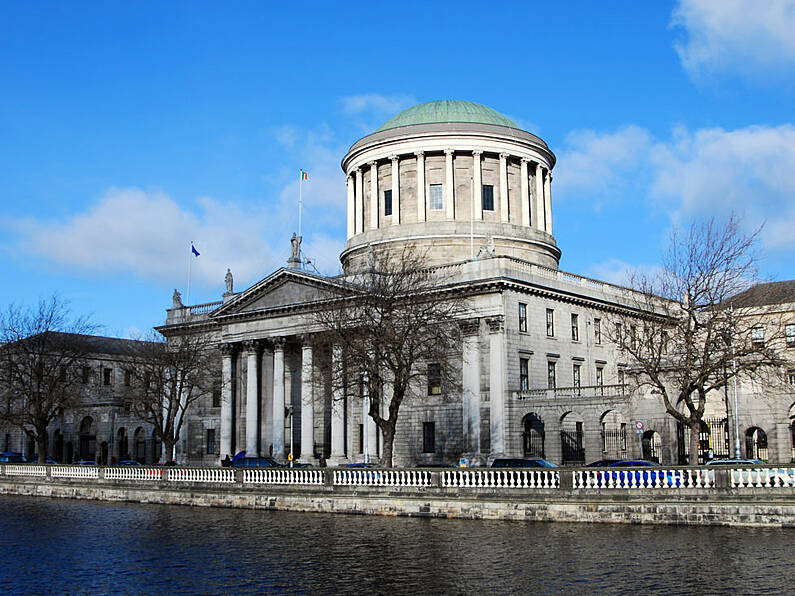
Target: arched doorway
683, 441
756, 444
614, 435
157, 448
571, 439
139, 445
57, 451
652, 445
533, 435
88, 439
122, 445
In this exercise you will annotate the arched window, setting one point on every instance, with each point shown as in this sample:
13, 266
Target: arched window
533, 435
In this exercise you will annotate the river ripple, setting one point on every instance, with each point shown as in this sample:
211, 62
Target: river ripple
64, 546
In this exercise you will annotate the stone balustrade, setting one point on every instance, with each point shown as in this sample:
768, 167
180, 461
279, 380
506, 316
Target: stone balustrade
581, 480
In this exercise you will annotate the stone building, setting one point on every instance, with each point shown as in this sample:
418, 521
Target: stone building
538, 376
102, 428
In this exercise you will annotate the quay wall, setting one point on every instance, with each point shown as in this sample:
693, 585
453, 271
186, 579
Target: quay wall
713, 501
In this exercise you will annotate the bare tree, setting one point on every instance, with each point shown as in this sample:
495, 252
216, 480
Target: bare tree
170, 376
396, 326
685, 337
43, 352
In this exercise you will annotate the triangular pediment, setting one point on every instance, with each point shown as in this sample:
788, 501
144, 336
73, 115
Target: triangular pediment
283, 289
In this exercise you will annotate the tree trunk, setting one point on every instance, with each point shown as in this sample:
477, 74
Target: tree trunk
41, 447
695, 430
168, 449
389, 440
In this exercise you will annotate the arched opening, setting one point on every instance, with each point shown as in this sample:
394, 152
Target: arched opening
614, 435
122, 444
756, 443
88, 439
571, 439
139, 445
683, 442
57, 451
103, 454
157, 447
533, 435
652, 445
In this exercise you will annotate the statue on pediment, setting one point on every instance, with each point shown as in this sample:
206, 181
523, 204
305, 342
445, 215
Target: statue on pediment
229, 281
176, 299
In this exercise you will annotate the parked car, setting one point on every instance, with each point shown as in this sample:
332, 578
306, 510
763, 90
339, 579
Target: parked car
602, 463
638, 477
86, 462
361, 464
12, 457
735, 462
256, 462
127, 462
518, 462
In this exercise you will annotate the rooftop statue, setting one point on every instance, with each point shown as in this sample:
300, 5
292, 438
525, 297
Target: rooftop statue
229, 281
176, 299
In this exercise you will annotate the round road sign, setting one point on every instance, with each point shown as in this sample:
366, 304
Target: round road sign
639, 425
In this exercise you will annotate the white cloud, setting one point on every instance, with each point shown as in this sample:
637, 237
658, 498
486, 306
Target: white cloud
750, 171
375, 103
736, 36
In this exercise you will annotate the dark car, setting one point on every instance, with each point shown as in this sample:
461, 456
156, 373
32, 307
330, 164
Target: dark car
12, 457
256, 462
518, 462
603, 463
361, 464
128, 462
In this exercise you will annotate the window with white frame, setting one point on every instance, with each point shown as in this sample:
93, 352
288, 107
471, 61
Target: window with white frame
434, 379
575, 327
435, 199
575, 375
550, 322
600, 376
522, 317
758, 336
524, 374
789, 332
791, 377
551, 374
597, 331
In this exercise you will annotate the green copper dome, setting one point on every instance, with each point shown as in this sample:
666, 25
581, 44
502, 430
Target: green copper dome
448, 110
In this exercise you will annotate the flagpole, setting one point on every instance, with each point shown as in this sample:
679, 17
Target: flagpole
300, 199
190, 267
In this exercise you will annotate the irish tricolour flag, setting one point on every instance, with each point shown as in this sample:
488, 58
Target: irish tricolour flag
304, 175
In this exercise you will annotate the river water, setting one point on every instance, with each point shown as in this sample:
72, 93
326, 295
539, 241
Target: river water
65, 546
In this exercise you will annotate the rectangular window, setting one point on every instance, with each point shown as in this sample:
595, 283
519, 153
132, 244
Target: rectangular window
790, 378
435, 200
575, 374
600, 376
550, 322
210, 441
434, 379
84, 374
127, 378
620, 336
551, 375
597, 331
387, 202
633, 337
487, 197
621, 379
758, 336
522, 317
789, 332
361, 438
575, 327
524, 374
428, 437
107, 376
216, 397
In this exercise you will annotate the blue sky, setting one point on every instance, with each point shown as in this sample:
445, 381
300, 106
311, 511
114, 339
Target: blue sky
129, 129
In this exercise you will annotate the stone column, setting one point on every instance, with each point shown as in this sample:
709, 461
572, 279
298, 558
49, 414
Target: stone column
470, 403
351, 206
504, 213
278, 398
497, 382
539, 180
548, 201
359, 201
307, 404
477, 183
525, 194
372, 434
252, 393
375, 210
395, 189
449, 184
367, 446
420, 185
227, 352
337, 407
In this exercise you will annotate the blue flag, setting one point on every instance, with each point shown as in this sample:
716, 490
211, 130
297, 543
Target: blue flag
193, 249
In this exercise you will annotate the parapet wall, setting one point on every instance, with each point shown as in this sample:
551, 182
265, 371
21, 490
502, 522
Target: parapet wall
759, 497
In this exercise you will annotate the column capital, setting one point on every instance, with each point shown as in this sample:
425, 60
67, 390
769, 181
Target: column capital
227, 348
504, 155
359, 170
348, 178
394, 158
419, 153
524, 160
496, 324
449, 151
477, 153
372, 164
469, 326
278, 343
252, 346
306, 339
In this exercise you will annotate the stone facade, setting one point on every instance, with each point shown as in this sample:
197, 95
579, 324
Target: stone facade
538, 375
